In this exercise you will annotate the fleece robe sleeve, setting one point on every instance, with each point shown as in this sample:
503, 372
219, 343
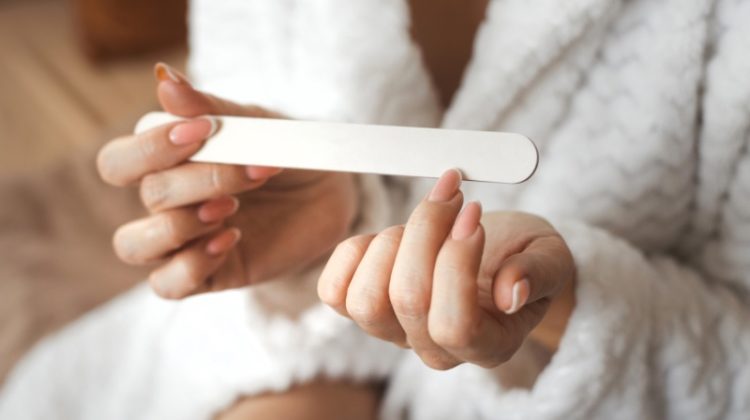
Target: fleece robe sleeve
652, 336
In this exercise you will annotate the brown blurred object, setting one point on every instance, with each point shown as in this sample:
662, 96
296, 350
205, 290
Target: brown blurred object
114, 28
56, 216
53, 100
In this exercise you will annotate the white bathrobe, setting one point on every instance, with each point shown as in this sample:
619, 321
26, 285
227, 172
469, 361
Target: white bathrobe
641, 112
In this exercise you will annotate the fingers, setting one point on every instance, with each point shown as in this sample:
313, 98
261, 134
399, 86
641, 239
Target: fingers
456, 322
189, 270
454, 312
177, 96
538, 272
367, 300
194, 182
126, 160
337, 274
410, 286
150, 239
438, 299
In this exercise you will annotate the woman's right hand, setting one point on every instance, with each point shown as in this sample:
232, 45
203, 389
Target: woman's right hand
213, 227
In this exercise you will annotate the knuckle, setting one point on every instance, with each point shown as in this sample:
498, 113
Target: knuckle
147, 148
365, 310
451, 336
410, 303
353, 248
220, 181
426, 223
451, 267
154, 191
422, 218
436, 360
391, 236
331, 291
334, 280
428, 213
215, 178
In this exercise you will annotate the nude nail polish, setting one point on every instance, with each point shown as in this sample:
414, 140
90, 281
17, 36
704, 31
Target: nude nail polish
519, 295
446, 187
193, 131
218, 210
223, 242
467, 221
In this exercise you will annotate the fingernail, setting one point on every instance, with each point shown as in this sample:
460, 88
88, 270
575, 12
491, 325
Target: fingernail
467, 221
193, 131
164, 72
223, 242
218, 210
446, 187
519, 294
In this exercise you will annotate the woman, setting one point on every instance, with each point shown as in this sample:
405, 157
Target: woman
628, 300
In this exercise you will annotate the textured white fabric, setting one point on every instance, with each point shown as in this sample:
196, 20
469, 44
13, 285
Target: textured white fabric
641, 111
141, 357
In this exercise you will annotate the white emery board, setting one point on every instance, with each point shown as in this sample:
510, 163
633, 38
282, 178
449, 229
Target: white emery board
380, 149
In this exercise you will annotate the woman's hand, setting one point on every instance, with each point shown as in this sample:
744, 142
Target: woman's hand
213, 227
449, 287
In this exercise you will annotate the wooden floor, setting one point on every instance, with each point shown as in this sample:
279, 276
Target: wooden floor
52, 99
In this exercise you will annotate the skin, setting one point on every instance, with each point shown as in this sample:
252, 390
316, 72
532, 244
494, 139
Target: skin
445, 56
196, 238
442, 284
318, 400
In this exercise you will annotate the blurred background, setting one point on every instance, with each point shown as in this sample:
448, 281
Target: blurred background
72, 68
73, 74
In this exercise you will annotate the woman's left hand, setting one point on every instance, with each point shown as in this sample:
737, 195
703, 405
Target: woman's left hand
453, 289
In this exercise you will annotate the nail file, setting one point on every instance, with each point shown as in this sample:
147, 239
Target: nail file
388, 150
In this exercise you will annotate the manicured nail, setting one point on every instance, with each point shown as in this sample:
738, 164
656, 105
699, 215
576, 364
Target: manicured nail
467, 221
446, 187
193, 131
223, 242
166, 72
218, 210
519, 295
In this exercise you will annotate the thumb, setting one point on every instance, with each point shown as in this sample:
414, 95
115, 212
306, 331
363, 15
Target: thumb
177, 96
539, 271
